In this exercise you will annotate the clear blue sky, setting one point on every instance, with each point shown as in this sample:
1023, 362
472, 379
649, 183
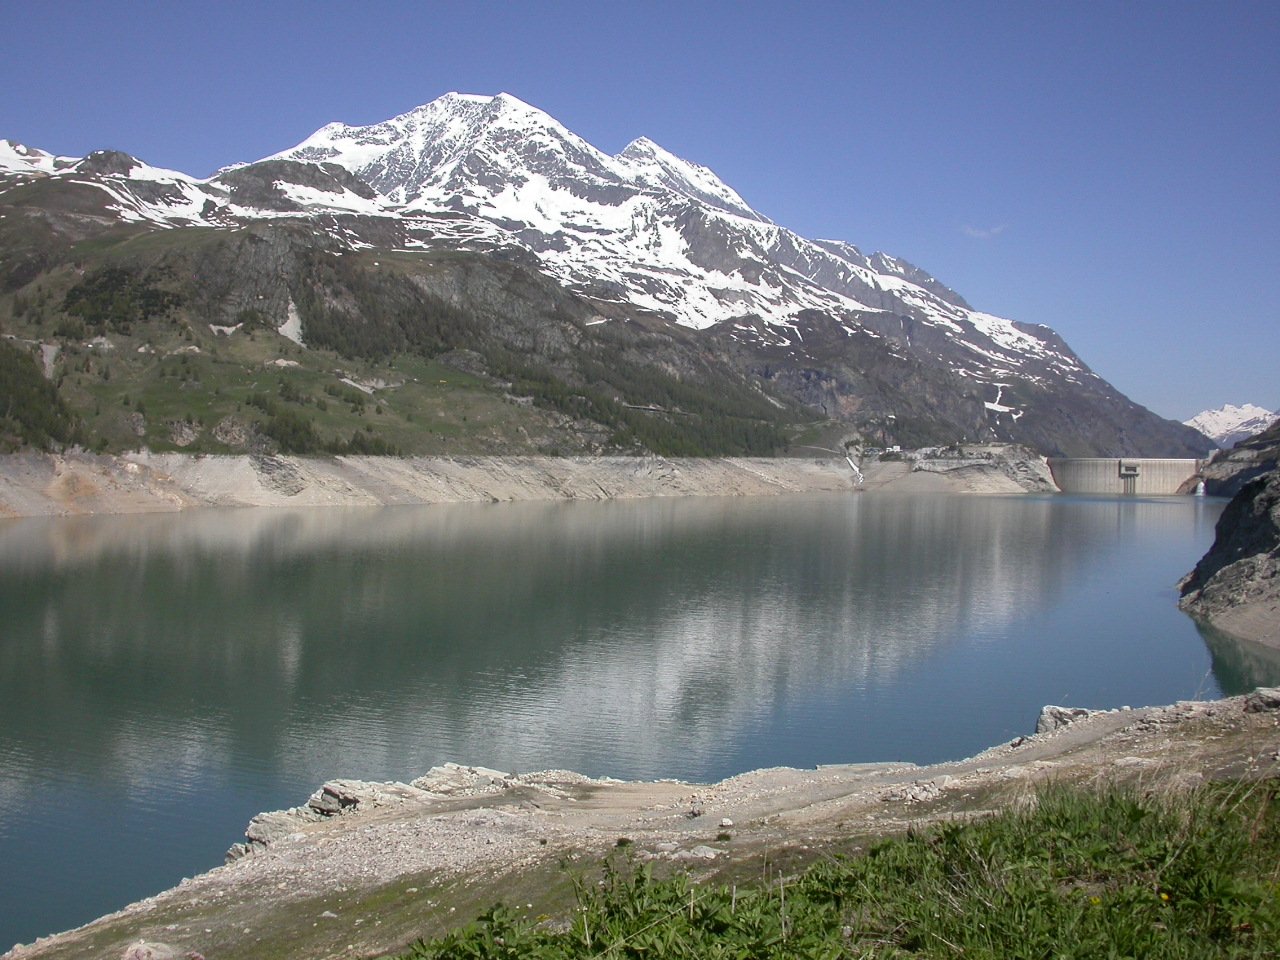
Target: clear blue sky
1109, 169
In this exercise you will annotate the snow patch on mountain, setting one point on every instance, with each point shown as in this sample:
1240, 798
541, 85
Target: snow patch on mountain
292, 327
19, 158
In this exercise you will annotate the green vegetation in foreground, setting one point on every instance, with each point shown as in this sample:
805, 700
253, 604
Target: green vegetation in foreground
1080, 875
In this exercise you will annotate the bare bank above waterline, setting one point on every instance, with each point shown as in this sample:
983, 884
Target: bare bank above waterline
363, 869
33, 485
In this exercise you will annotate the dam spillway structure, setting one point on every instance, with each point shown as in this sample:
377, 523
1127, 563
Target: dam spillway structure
1124, 475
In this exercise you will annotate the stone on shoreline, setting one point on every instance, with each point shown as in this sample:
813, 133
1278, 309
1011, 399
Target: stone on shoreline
1054, 718
1262, 700
378, 839
335, 799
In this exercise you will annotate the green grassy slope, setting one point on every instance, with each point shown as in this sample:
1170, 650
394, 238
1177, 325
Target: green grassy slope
172, 340
1080, 876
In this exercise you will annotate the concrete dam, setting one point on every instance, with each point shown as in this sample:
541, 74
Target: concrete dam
1117, 475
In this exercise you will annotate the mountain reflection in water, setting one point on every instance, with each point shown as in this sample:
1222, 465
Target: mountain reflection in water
162, 678
1240, 666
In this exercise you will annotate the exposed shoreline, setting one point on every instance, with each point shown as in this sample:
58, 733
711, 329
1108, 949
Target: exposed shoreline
365, 868
1257, 622
358, 869
51, 485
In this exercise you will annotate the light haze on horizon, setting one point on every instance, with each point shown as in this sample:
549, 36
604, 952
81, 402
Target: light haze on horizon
1107, 170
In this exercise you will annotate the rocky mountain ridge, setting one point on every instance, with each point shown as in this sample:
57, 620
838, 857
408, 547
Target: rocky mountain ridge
1229, 424
638, 245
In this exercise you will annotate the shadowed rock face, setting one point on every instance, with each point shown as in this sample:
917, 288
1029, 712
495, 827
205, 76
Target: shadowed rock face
1240, 574
107, 162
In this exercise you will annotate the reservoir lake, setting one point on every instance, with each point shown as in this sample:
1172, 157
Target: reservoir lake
163, 678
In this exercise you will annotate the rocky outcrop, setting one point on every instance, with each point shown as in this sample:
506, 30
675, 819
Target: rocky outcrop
336, 798
982, 467
1228, 471
259, 184
432, 792
1236, 585
1053, 718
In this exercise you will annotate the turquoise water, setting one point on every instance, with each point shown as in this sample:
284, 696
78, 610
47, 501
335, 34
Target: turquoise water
164, 678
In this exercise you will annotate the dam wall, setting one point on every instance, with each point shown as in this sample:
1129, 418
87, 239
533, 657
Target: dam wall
1119, 475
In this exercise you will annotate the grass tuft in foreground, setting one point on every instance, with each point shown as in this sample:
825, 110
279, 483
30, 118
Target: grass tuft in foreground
1078, 875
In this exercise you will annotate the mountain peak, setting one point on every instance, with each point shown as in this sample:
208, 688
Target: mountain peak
1229, 424
507, 100
655, 167
440, 147
869, 338
495, 106
641, 146
21, 149
424, 149
108, 163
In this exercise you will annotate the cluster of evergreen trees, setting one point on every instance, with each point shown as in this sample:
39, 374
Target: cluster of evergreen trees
394, 316
114, 298
295, 432
689, 422
31, 412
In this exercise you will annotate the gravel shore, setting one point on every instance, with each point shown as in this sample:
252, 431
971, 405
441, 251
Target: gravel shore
361, 869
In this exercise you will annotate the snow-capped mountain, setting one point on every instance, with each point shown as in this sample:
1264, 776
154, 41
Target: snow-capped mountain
667, 235
18, 158
438, 151
137, 192
1229, 424
643, 227
870, 339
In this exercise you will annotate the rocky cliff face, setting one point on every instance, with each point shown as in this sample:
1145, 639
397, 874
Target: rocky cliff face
1236, 585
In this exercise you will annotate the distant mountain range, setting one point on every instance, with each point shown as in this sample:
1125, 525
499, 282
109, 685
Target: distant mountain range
480, 232
1229, 424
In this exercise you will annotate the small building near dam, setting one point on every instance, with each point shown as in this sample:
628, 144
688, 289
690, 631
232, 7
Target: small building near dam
1118, 475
